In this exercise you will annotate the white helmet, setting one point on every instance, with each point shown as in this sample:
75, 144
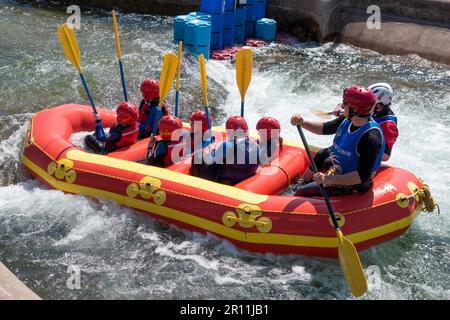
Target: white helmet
384, 93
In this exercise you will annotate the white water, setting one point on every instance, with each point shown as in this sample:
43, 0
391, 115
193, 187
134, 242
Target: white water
123, 254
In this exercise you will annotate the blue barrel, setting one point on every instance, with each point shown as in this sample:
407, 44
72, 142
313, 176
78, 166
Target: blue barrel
230, 5
249, 29
197, 33
240, 16
228, 37
239, 34
217, 22
261, 6
229, 20
212, 6
266, 29
197, 51
200, 16
216, 40
250, 12
228, 27
179, 24
251, 2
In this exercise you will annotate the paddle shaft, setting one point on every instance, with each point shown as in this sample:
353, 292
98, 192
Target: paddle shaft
177, 100
122, 77
119, 55
322, 188
83, 80
242, 109
177, 93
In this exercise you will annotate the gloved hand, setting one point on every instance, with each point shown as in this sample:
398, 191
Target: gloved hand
99, 131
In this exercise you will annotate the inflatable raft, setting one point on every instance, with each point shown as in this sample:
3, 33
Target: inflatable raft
253, 215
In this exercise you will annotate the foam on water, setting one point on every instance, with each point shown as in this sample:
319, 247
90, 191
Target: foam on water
125, 254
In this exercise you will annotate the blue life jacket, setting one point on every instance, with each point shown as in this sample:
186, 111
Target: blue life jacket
244, 157
344, 152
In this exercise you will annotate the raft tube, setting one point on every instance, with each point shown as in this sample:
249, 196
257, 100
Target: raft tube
252, 215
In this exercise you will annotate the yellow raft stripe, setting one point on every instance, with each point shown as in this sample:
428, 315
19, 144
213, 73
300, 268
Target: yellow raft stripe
207, 225
168, 175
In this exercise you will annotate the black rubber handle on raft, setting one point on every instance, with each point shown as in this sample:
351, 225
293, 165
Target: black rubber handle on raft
322, 188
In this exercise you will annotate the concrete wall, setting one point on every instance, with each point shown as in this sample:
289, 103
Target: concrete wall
12, 288
408, 26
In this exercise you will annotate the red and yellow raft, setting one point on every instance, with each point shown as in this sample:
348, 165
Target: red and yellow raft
252, 215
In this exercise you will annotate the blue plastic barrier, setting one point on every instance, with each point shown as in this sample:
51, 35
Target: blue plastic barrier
230, 5
216, 40
200, 16
266, 29
228, 37
179, 24
250, 12
261, 6
249, 29
228, 27
217, 22
197, 37
212, 6
229, 20
197, 33
240, 16
239, 34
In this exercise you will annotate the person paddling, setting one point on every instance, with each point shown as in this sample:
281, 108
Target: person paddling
122, 134
148, 108
269, 141
163, 153
357, 149
383, 115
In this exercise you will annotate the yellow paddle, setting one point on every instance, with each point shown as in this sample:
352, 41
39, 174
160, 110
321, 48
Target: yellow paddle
348, 256
244, 69
177, 94
202, 67
71, 49
322, 114
168, 71
119, 55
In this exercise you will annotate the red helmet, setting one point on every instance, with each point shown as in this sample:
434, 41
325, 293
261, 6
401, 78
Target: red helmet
236, 123
361, 100
269, 124
150, 89
167, 125
199, 116
127, 113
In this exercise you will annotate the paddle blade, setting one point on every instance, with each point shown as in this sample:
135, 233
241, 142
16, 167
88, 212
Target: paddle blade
168, 71
69, 44
351, 266
202, 66
116, 35
180, 52
322, 114
244, 69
